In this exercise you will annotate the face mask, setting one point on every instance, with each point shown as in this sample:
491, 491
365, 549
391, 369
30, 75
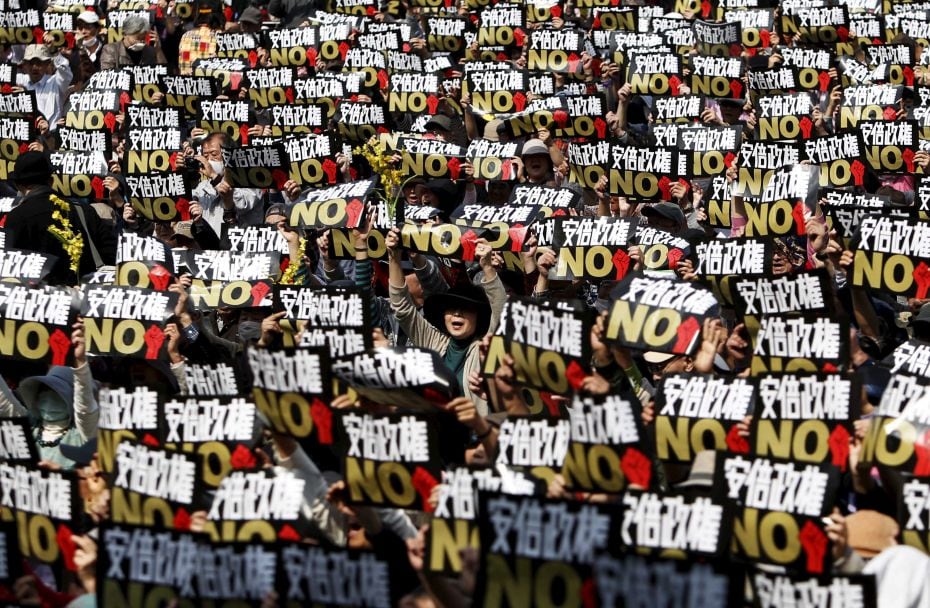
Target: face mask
250, 331
53, 408
89, 42
137, 46
218, 167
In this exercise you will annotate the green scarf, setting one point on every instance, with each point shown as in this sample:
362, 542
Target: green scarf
455, 356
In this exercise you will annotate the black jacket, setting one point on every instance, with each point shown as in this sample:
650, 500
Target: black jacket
27, 225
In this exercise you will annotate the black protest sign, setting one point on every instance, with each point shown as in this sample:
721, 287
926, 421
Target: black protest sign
360, 121
839, 157
118, 81
556, 200
785, 116
658, 313
854, 72
922, 197
414, 92
256, 498
783, 206
758, 161
627, 579
899, 437
805, 417
413, 378
717, 259
511, 223
549, 343
292, 390
203, 380
781, 505
638, 173
869, 102
539, 550
612, 18
201, 420
132, 248
718, 39
76, 140
25, 266
898, 59
241, 45
270, 87
226, 116
805, 342
185, 92
15, 135
892, 255
503, 24
492, 159
681, 108
454, 525
556, 51
302, 118
757, 25
890, 146
707, 151
16, 442
390, 40
660, 250
717, 200
911, 357
780, 79
653, 73
22, 103
231, 266
160, 196
45, 504
369, 64
604, 432
809, 291
816, 24
334, 577
312, 159
589, 247
145, 81
445, 33
253, 239
126, 321
335, 317
921, 114
256, 166
697, 412
153, 136
8, 73
717, 76
497, 91
189, 571
79, 174
390, 460
914, 513
35, 323
655, 523
813, 65
339, 206
772, 590
20, 27
125, 414
444, 240
292, 46
323, 87
431, 158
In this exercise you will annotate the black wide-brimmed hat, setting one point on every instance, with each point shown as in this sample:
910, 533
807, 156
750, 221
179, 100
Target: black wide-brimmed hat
465, 296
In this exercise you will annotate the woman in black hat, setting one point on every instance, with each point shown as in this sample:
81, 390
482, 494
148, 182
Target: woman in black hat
452, 323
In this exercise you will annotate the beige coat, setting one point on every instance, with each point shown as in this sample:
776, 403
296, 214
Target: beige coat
421, 333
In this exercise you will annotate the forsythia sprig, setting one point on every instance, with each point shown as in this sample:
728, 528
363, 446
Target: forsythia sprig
72, 241
287, 278
391, 178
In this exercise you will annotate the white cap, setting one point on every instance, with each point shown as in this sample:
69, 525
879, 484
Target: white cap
37, 51
89, 17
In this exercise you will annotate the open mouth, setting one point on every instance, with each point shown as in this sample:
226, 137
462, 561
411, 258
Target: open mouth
457, 325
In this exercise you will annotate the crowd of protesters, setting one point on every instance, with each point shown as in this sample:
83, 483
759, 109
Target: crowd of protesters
445, 304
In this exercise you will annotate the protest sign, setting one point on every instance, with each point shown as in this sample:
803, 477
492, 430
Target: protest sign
36, 322
898, 437
390, 460
256, 166
339, 206
126, 321
414, 378
125, 414
697, 412
892, 255
336, 317
627, 579
772, 590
